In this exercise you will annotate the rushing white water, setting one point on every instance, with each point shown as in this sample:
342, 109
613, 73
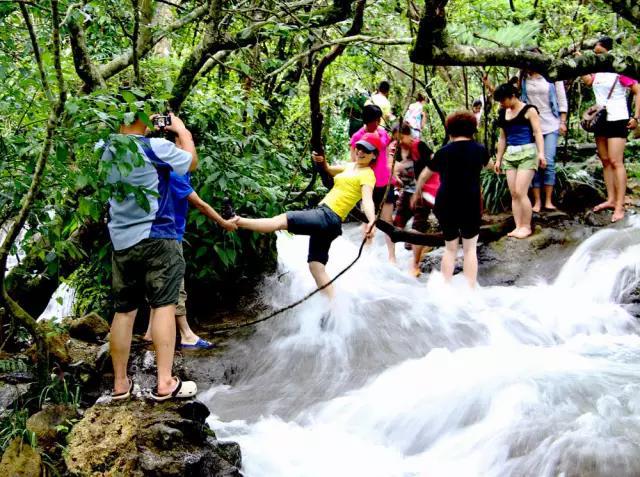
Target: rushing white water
408, 379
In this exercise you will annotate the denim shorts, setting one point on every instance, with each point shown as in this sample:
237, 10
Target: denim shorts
151, 269
322, 225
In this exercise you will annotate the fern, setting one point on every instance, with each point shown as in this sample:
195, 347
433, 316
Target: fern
12, 366
518, 36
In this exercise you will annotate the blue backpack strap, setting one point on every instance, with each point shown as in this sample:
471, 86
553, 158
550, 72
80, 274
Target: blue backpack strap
145, 144
524, 97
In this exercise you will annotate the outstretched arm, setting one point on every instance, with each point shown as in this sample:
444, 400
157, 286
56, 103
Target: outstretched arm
195, 200
424, 176
332, 170
369, 209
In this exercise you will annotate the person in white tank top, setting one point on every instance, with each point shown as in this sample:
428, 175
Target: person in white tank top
611, 139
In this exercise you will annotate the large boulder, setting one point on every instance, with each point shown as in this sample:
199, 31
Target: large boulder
137, 438
91, 328
20, 460
48, 425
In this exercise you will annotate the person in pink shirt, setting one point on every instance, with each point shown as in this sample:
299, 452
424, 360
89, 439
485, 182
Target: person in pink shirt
411, 157
611, 138
371, 116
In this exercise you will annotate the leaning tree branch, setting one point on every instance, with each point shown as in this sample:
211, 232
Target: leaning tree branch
95, 76
340, 41
432, 47
86, 70
215, 39
316, 82
36, 52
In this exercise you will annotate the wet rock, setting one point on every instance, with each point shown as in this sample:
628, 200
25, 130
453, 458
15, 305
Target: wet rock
10, 394
82, 354
46, 424
91, 328
57, 345
508, 260
20, 460
136, 438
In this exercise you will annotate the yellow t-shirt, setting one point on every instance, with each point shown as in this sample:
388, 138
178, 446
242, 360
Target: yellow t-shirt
347, 189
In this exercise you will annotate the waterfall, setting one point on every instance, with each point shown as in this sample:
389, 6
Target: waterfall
398, 377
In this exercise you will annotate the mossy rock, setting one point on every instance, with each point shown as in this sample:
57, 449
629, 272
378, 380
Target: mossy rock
136, 438
20, 460
91, 327
46, 424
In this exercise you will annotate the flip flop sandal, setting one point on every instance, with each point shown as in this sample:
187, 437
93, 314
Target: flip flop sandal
124, 395
183, 390
200, 344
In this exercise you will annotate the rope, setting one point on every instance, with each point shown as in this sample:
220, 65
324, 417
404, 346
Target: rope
318, 289
330, 282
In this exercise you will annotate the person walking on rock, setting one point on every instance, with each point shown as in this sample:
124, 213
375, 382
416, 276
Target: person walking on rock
147, 262
520, 153
611, 139
458, 202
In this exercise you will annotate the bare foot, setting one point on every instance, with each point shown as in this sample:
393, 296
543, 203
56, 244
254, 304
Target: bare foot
415, 271
550, 206
617, 215
513, 232
603, 206
522, 232
536, 208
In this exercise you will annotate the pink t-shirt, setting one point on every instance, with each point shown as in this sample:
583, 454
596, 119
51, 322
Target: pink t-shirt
381, 168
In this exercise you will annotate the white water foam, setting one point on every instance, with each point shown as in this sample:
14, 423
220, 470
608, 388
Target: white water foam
407, 379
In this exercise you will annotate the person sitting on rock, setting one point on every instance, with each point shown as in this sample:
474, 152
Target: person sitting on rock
146, 261
182, 195
458, 202
353, 182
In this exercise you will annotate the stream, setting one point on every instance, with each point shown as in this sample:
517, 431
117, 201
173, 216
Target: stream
420, 378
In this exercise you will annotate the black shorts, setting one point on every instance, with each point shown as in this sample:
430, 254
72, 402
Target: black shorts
462, 223
322, 225
613, 129
151, 269
404, 212
378, 195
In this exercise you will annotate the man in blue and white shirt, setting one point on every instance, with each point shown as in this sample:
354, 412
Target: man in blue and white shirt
147, 261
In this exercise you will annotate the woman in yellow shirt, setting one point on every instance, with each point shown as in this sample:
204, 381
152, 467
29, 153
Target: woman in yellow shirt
352, 182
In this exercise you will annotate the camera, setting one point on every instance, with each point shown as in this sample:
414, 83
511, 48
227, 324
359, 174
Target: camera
162, 121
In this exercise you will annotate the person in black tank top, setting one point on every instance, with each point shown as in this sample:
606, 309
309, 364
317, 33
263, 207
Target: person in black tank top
520, 153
